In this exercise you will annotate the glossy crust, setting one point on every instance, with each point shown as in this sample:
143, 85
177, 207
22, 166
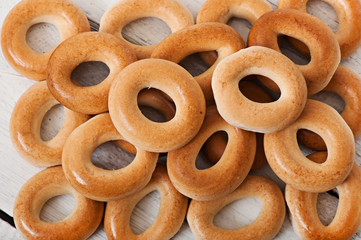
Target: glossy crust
222, 178
268, 223
347, 220
25, 124
289, 163
63, 14
155, 99
90, 46
172, 12
199, 38
223, 10
214, 147
243, 113
347, 85
318, 37
173, 80
51, 182
348, 33
170, 217
97, 183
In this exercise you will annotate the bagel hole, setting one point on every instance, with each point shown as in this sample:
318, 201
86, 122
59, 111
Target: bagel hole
42, 37
241, 25
309, 142
238, 214
212, 150
145, 212
327, 207
325, 12
254, 90
146, 31
52, 122
194, 63
109, 156
89, 73
163, 109
289, 47
332, 99
57, 208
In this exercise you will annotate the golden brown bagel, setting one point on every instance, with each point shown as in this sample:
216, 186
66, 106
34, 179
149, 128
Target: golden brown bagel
289, 163
220, 179
170, 217
63, 14
266, 226
348, 33
25, 124
243, 113
90, 46
173, 80
199, 38
97, 183
51, 182
347, 85
347, 220
172, 12
155, 99
325, 51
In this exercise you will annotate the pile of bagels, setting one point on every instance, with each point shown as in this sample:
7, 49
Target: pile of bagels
223, 112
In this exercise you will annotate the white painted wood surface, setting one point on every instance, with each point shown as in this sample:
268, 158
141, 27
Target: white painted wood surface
15, 171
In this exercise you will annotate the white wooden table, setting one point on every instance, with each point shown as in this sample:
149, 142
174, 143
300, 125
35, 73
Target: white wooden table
15, 171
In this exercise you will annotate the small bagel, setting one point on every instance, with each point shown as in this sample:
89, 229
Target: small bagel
347, 220
25, 124
173, 80
223, 10
63, 14
348, 33
90, 46
156, 100
347, 85
214, 147
325, 51
96, 183
51, 182
289, 163
199, 38
172, 12
243, 113
170, 217
266, 226
220, 179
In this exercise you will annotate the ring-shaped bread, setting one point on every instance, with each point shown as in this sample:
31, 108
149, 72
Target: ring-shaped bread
345, 224
156, 100
171, 12
288, 162
97, 183
222, 178
63, 14
173, 80
51, 182
347, 85
214, 147
243, 113
223, 10
348, 33
266, 226
324, 48
170, 217
199, 38
25, 125
84, 47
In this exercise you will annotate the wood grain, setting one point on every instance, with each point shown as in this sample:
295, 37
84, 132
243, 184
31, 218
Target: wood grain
16, 171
